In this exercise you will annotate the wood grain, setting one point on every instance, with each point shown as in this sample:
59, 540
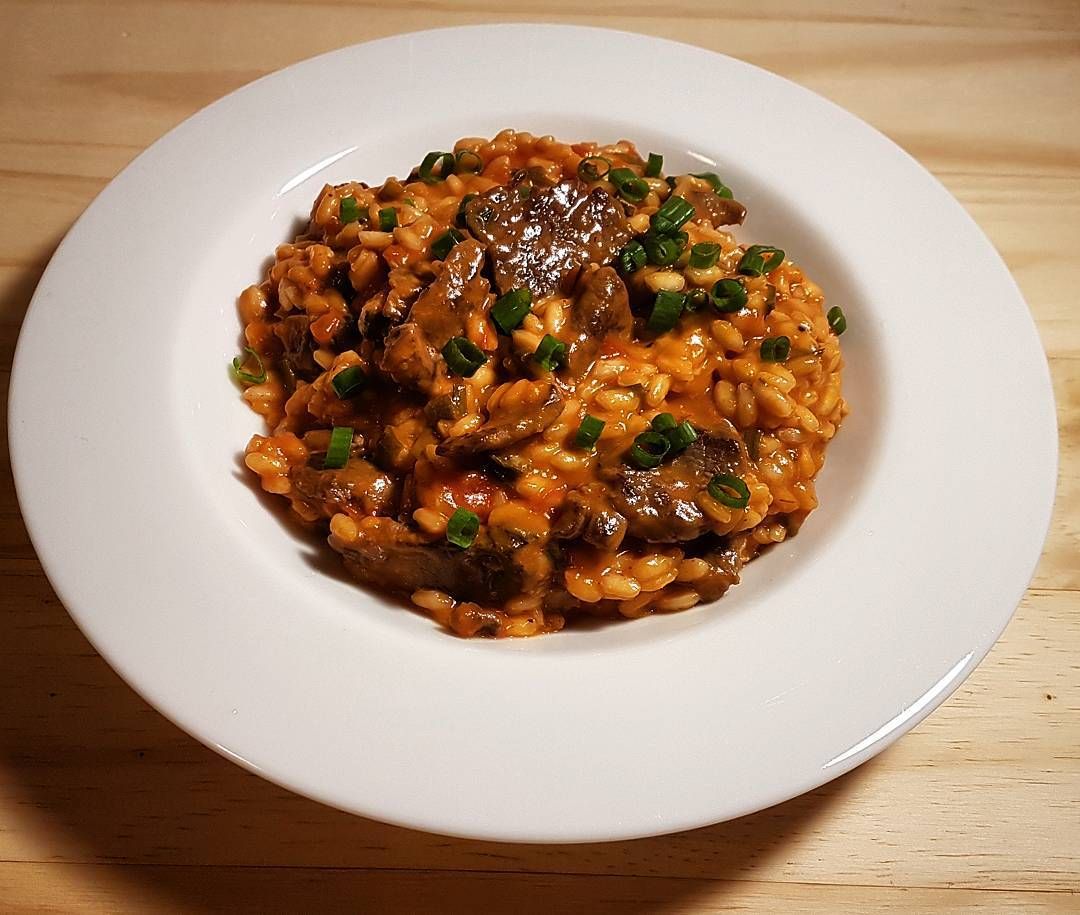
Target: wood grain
105, 806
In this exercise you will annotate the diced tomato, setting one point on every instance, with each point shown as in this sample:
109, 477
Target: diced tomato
471, 490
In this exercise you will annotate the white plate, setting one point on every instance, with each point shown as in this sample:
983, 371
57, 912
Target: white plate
935, 498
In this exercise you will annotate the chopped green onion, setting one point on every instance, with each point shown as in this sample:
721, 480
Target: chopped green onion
460, 219
348, 381
337, 454
671, 216
387, 219
718, 186
350, 210
682, 436
679, 435
442, 245
463, 357
589, 432
666, 311
632, 258
663, 423
649, 449
662, 250
510, 310
696, 299
760, 259
409, 201
256, 377
462, 528
551, 353
629, 186
654, 166
729, 490
775, 349
468, 162
837, 320
593, 168
445, 161
704, 255
728, 296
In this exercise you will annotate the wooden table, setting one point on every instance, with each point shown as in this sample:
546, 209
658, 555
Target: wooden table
105, 806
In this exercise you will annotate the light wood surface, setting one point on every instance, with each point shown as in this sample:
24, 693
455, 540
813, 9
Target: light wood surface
105, 806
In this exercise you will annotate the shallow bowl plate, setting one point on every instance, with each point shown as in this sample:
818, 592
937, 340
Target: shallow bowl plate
125, 436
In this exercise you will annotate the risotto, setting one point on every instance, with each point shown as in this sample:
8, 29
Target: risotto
536, 381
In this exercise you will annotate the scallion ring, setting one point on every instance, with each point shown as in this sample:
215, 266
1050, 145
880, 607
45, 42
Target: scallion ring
704, 255
348, 381
672, 215
654, 166
631, 258
463, 357
442, 245
629, 186
663, 423
696, 299
468, 162
387, 219
462, 528
444, 161
682, 436
729, 490
337, 453
588, 432
551, 353
666, 310
662, 250
649, 449
244, 376
349, 210
593, 168
775, 349
728, 296
510, 310
760, 259
837, 320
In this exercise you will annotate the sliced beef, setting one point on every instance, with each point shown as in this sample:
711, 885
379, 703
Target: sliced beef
661, 504
456, 295
358, 484
587, 514
392, 557
601, 310
539, 237
449, 406
533, 412
725, 561
297, 360
720, 211
409, 358
390, 306
442, 311
393, 451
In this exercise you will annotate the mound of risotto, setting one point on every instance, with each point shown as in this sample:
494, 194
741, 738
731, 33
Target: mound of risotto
535, 382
